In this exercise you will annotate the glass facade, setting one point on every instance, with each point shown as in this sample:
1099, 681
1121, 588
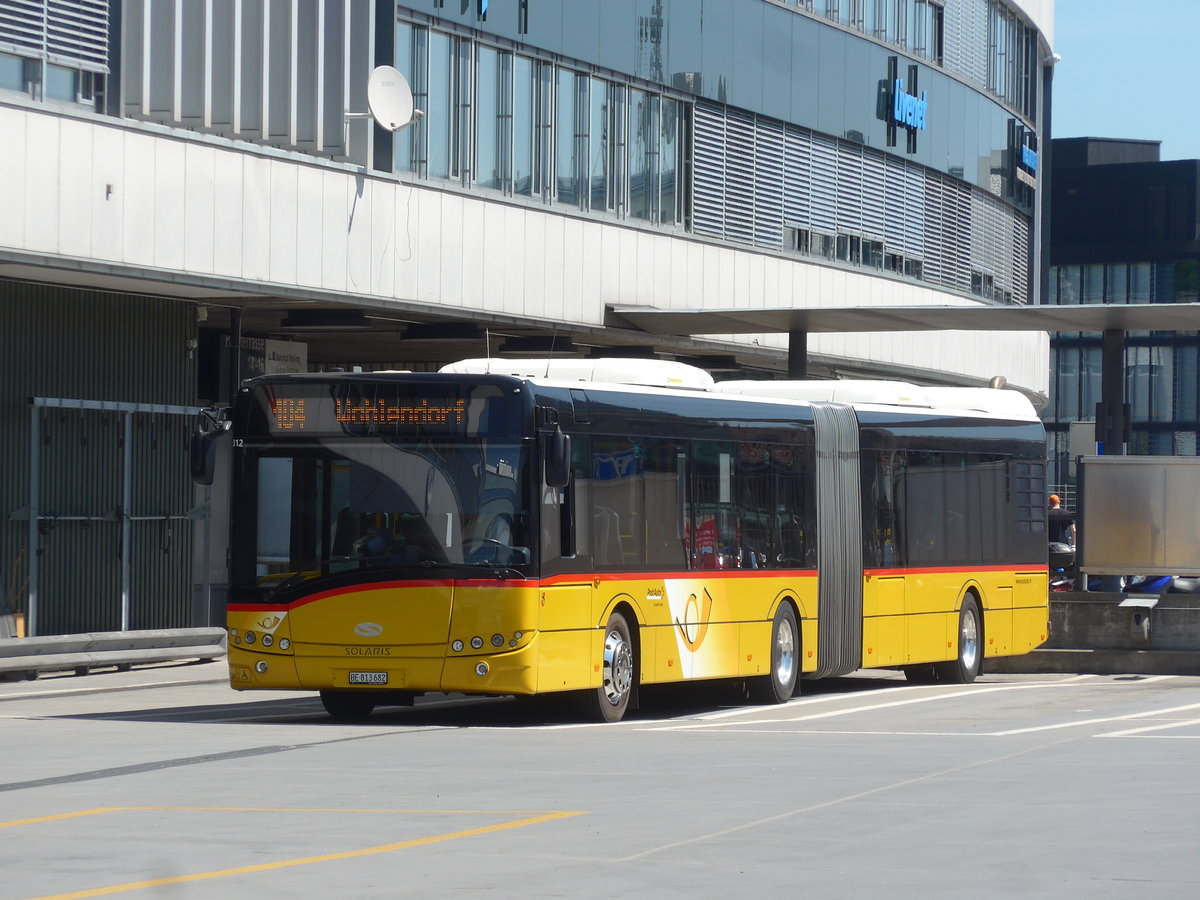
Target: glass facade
803, 151
1162, 369
786, 61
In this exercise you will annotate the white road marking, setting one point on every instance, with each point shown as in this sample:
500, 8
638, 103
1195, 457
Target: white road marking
1183, 724
963, 691
1079, 722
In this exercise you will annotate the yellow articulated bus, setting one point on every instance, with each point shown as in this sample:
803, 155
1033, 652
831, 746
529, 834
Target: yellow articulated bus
589, 527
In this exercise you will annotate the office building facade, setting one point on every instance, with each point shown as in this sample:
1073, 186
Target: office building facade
1125, 228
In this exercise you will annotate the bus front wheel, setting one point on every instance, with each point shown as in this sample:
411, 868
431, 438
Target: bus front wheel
779, 686
608, 702
347, 704
970, 646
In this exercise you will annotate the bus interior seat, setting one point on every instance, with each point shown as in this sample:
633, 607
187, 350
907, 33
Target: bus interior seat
606, 537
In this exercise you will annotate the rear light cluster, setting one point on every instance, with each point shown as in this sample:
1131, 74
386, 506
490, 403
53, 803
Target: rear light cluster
497, 641
249, 638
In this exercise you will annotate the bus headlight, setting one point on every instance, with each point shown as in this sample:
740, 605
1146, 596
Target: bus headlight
497, 640
267, 640
261, 667
249, 637
481, 669
285, 644
476, 642
457, 646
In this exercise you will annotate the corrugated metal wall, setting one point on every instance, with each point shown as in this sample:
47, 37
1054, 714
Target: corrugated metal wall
86, 345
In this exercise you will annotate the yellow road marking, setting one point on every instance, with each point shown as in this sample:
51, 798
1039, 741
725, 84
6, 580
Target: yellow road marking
70, 815
289, 863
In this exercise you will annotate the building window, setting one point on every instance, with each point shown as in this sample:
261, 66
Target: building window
570, 135
670, 162
849, 249
439, 119
598, 143
405, 150
524, 92
12, 73
492, 119
982, 284
643, 154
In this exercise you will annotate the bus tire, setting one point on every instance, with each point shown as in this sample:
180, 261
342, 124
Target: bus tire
347, 704
608, 702
779, 686
967, 665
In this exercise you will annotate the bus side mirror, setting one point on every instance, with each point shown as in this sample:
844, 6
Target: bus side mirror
558, 459
202, 448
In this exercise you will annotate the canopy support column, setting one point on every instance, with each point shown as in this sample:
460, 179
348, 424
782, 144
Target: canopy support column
797, 364
1113, 413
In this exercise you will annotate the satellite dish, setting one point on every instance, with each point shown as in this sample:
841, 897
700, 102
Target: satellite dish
389, 98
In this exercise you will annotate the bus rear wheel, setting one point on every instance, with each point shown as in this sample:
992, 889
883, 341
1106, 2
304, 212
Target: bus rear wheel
779, 686
608, 702
969, 662
347, 704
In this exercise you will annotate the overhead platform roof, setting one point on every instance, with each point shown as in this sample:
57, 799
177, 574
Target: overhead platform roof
828, 320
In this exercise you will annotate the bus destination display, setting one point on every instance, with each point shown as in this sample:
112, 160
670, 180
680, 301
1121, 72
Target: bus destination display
292, 414
318, 413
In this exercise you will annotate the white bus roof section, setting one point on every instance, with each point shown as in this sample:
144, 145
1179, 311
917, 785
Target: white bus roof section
993, 402
650, 372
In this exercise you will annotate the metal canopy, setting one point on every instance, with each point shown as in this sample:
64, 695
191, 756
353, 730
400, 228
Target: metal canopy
1100, 317
1112, 414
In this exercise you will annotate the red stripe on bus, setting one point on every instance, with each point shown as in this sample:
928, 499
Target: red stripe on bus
693, 574
957, 570
383, 586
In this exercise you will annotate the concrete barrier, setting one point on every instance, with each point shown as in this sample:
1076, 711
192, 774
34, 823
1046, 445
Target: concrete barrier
27, 657
1115, 634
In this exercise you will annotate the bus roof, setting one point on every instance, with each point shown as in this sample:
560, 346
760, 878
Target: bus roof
1007, 404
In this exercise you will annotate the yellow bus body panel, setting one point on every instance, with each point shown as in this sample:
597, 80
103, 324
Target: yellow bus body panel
539, 637
912, 617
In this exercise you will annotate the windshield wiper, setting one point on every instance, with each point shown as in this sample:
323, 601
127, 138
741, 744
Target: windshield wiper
295, 578
499, 571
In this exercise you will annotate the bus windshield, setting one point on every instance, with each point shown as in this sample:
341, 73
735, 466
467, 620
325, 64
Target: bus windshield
352, 510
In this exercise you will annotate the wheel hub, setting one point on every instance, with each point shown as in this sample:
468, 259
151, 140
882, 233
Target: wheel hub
618, 667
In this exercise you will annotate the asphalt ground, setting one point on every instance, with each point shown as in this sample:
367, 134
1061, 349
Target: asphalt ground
162, 782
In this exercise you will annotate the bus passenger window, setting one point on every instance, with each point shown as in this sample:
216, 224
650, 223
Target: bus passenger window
664, 530
617, 521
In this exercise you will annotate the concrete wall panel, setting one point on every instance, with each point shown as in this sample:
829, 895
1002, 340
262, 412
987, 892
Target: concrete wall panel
207, 207
199, 210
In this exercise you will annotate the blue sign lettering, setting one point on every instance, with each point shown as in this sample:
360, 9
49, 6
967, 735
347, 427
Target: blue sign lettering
907, 109
1029, 159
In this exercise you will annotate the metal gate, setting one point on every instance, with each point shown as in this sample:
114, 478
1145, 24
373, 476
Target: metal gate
110, 516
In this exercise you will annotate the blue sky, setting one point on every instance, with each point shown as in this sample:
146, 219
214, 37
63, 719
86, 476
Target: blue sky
1130, 69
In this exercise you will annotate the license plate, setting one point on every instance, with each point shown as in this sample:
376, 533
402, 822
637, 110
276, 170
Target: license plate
368, 677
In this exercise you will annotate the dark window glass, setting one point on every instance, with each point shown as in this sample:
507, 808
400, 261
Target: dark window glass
881, 471
664, 467
618, 533
710, 521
